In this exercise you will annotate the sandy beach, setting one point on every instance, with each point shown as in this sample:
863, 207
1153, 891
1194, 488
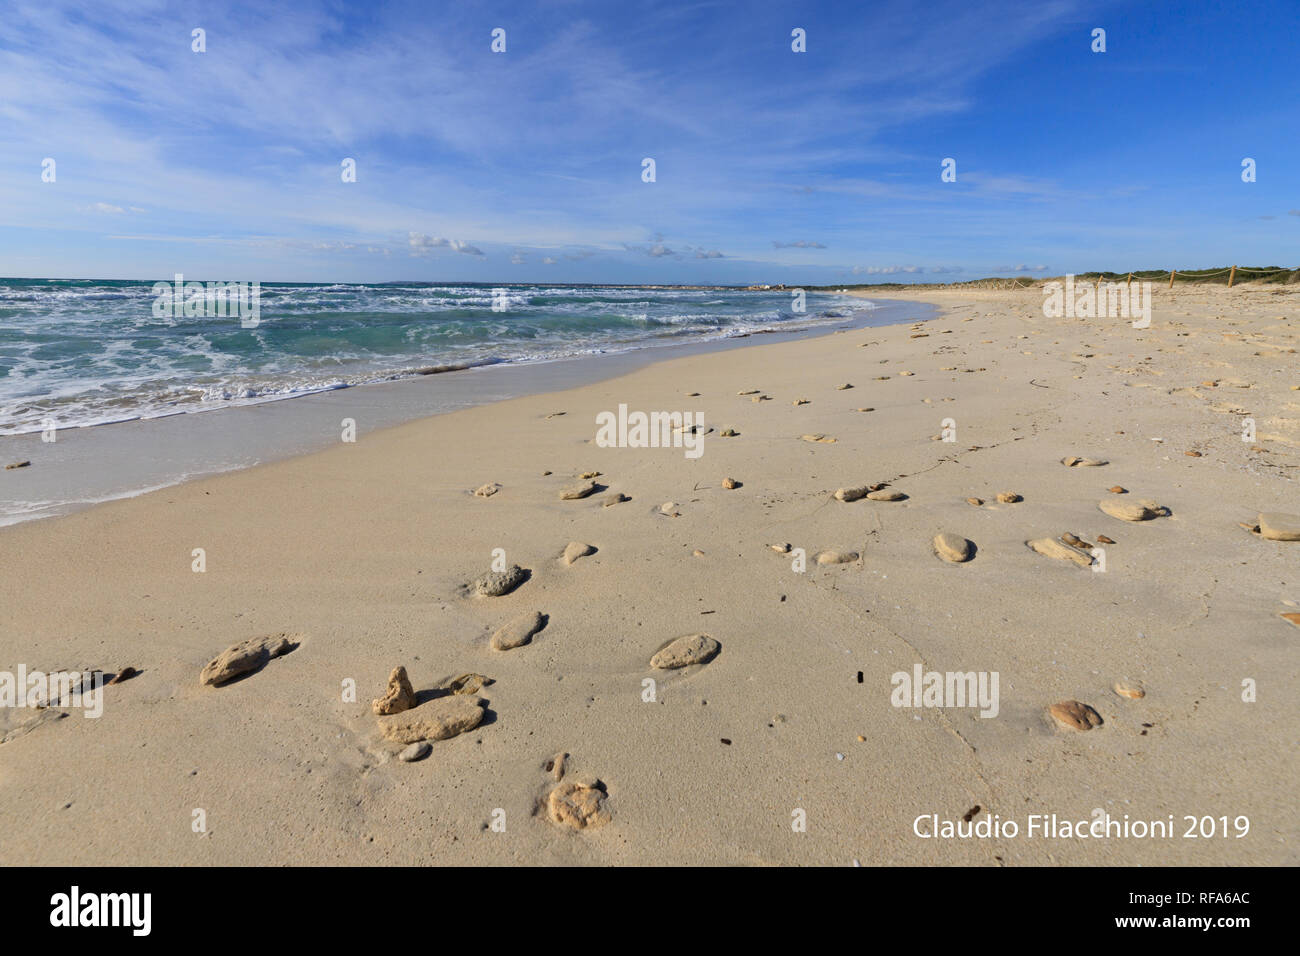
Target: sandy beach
783, 747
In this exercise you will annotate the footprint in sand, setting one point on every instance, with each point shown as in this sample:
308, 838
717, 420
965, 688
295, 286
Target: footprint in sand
519, 631
245, 657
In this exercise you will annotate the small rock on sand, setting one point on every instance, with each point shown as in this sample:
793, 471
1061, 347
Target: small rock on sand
1276, 526
578, 803
850, 494
497, 583
825, 439
581, 490
1291, 617
575, 550
125, 674
780, 548
886, 494
1074, 461
436, 719
1130, 511
685, 651
1130, 689
416, 751
1102, 539
468, 683
729, 433
488, 490
398, 697
613, 499
518, 631
1075, 715
975, 501
17, 464
244, 657
1050, 547
1009, 498
953, 547
841, 388
730, 483
1117, 490
837, 557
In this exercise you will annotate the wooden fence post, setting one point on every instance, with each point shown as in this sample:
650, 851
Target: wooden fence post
1130, 281
1231, 275
1171, 278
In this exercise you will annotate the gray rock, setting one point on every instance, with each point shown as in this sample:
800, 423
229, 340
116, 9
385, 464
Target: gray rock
416, 751
497, 583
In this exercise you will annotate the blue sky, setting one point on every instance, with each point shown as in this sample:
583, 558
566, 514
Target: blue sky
772, 166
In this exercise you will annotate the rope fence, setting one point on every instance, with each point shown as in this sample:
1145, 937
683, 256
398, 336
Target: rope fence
1234, 273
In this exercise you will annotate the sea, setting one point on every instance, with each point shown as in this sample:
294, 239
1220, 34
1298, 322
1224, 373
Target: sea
111, 389
78, 353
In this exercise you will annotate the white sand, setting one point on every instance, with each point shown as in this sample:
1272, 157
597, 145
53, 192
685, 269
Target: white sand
361, 551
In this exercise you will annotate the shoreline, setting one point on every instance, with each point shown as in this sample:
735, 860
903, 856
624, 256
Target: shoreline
361, 555
93, 464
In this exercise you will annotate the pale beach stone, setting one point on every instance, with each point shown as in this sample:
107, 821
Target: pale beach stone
244, 657
436, 719
519, 631
685, 651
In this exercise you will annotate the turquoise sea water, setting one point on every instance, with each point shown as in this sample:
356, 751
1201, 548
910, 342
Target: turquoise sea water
85, 352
